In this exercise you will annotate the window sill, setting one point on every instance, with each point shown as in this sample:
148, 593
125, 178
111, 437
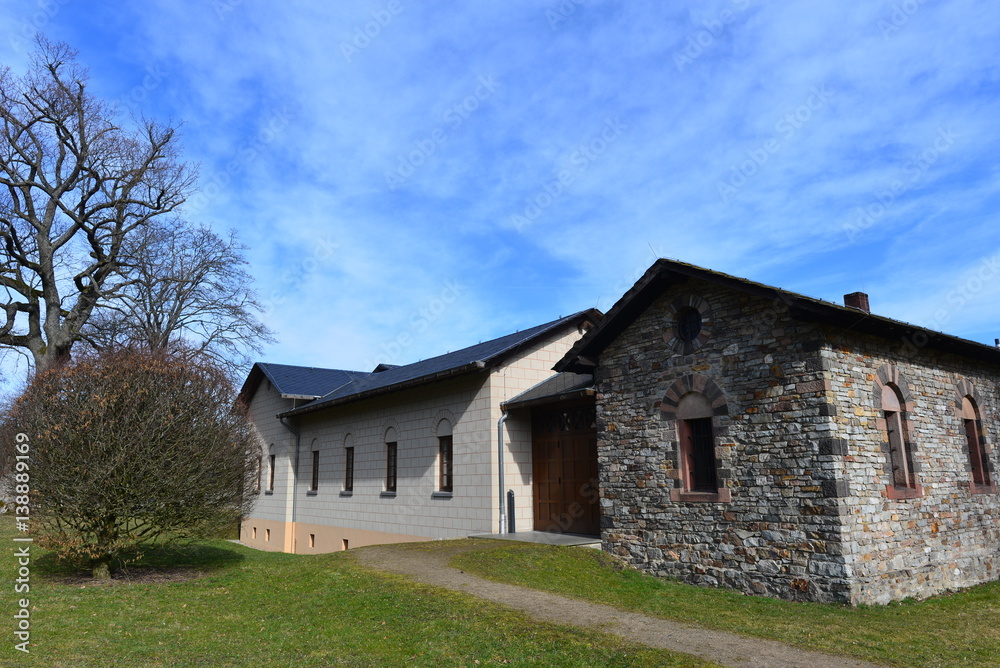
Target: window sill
347, 492
724, 495
976, 488
387, 495
312, 492
268, 492
441, 495
894, 492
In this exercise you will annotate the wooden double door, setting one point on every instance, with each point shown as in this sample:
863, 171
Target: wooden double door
564, 469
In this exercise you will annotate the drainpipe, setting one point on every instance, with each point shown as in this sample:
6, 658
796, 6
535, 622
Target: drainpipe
503, 505
295, 475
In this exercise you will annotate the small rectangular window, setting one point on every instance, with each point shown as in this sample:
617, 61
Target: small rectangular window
445, 463
270, 473
349, 469
315, 471
260, 474
390, 467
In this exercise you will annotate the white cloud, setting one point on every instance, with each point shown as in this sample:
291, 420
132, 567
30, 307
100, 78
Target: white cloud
840, 105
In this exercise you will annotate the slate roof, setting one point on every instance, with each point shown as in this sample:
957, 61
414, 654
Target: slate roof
561, 386
467, 360
297, 382
582, 357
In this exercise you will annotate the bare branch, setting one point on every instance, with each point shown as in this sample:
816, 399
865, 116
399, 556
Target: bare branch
74, 186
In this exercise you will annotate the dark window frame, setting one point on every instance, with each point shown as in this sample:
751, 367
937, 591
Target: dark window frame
271, 460
314, 483
698, 450
899, 448
391, 466
446, 464
975, 442
689, 324
349, 469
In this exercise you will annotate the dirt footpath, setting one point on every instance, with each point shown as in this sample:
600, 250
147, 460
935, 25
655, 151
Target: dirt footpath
431, 567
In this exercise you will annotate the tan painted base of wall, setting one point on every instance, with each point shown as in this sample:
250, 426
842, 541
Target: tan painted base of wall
301, 538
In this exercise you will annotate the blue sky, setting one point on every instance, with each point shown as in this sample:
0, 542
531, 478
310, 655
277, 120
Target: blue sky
412, 178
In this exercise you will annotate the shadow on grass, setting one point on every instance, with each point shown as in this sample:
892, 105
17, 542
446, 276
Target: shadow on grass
160, 563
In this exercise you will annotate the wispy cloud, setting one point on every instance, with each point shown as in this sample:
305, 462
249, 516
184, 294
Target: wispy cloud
855, 144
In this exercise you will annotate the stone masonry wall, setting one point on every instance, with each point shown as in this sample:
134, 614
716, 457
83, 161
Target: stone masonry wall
779, 532
807, 508
946, 538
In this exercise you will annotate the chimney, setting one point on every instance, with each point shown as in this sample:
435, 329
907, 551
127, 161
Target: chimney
858, 300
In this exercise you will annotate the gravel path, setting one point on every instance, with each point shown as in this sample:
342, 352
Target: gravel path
430, 566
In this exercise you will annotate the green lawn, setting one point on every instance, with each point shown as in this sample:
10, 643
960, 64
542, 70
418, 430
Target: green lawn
960, 629
268, 609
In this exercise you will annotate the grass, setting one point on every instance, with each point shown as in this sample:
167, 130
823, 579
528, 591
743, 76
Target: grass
960, 629
271, 609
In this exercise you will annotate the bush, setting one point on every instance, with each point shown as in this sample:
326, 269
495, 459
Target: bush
130, 448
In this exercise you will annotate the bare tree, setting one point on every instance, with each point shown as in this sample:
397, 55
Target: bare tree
73, 187
130, 448
189, 294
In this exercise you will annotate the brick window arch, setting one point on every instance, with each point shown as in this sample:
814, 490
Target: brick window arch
893, 402
967, 407
689, 324
693, 406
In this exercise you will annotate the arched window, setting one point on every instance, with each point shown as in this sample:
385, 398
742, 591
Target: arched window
894, 403
974, 439
900, 450
695, 404
699, 470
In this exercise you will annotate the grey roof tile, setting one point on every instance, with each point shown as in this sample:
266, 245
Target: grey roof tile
460, 361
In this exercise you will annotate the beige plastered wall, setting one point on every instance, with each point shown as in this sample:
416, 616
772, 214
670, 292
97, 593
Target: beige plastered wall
470, 405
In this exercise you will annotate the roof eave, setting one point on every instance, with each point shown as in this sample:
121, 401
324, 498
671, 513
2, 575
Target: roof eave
581, 358
550, 399
378, 391
591, 315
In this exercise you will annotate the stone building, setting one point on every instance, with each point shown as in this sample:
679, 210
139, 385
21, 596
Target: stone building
757, 439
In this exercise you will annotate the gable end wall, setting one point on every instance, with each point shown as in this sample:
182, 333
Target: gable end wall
779, 534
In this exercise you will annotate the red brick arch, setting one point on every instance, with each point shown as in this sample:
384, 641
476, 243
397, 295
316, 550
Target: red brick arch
693, 383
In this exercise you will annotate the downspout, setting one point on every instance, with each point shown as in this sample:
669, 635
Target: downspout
295, 474
503, 505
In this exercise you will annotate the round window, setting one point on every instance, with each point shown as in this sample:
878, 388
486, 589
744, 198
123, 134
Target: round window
688, 324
